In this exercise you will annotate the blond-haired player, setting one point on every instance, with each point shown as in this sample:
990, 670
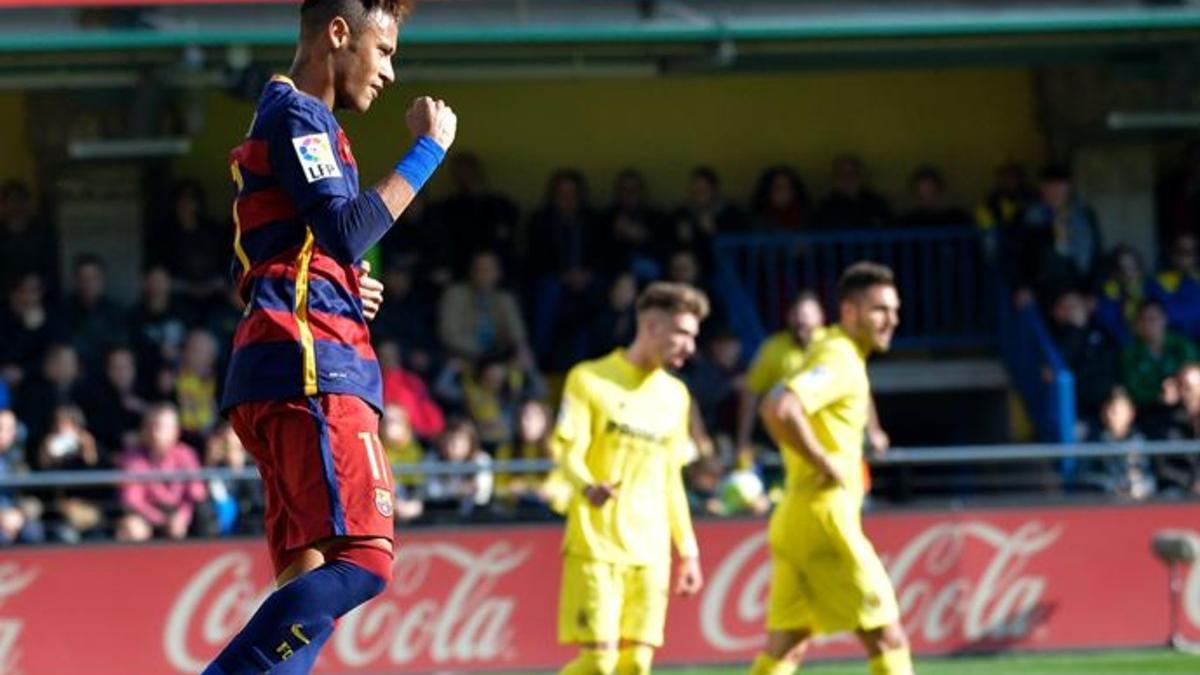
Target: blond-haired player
621, 437
826, 577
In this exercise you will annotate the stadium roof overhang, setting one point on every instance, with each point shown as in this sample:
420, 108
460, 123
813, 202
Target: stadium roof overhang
52, 42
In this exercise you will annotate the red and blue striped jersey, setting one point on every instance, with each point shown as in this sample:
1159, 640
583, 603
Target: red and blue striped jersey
303, 331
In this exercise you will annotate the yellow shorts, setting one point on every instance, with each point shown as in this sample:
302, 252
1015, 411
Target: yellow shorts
606, 602
826, 576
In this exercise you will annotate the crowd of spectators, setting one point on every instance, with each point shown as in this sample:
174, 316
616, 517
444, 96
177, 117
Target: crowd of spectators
485, 310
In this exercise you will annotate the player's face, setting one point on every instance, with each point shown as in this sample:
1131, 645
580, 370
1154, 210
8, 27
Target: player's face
363, 67
804, 319
676, 337
876, 314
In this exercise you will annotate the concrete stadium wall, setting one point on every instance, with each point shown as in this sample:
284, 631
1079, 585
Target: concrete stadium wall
966, 121
16, 158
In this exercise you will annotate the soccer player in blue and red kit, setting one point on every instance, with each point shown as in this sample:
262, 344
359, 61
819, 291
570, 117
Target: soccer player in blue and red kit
303, 390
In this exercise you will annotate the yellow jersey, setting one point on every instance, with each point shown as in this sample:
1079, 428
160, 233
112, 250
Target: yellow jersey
625, 426
777, 357
833, 388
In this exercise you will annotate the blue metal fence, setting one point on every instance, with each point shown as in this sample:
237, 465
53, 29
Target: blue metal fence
951, 296
1046, 384
947, 289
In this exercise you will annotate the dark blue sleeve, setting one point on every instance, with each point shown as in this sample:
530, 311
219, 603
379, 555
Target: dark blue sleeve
305, 159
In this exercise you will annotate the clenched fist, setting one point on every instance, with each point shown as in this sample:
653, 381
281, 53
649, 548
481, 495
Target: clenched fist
433, 118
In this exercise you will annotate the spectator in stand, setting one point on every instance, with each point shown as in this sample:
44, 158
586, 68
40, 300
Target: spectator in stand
1183, 394
716, 383
1155, 355
780, 354
222, 321
196, 386
1122, 293
465, 494
233, 507
28, 244
780, 201
95, 323
1089, 352
478, 317
1179, 197
1181, 473
408, 391
489, 393
563, 250
158, 327
931, 206
632, 231
1062, 235
402, 448
1129, 476
851, 205
475, 217
615, 323
527, 494
20, 515
194, 248
410, 317
159, 508
69, 447
58, 384
1178, 287
423, 245
703, 480
27, 328
115, 406
1001, 218
703, 215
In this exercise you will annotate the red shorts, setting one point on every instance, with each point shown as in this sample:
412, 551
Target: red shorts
323, 467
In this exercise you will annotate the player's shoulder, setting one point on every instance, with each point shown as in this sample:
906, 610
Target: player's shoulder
673, 385
589, 370
778, 341
282, 105
833, 343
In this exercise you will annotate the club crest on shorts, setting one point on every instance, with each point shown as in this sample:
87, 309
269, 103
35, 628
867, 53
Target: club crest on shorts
383, 502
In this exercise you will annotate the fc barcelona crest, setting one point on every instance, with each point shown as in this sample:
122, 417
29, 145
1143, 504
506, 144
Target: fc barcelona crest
383, 502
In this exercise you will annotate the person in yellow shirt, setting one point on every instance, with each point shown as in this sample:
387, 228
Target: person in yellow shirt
782, 354
621, 439
826, 576
777, 357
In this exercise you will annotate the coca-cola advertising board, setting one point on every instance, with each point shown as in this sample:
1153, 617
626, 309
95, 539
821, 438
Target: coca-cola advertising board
486, 598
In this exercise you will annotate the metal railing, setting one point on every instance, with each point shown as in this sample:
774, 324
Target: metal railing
1046, 384
946, 286
923, 456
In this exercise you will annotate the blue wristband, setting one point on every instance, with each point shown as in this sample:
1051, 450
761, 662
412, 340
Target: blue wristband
421, 161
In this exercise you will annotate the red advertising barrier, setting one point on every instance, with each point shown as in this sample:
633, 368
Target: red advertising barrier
486, 599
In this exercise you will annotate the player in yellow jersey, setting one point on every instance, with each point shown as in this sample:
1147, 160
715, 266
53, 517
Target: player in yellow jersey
777, 357
782, 354
826, 577
621, 441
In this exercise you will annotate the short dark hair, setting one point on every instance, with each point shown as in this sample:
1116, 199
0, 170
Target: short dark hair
86, 259
1055, 173
707, 173
13, 188
673, 298
315, 15
863, 275
926, 172
1151, 303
